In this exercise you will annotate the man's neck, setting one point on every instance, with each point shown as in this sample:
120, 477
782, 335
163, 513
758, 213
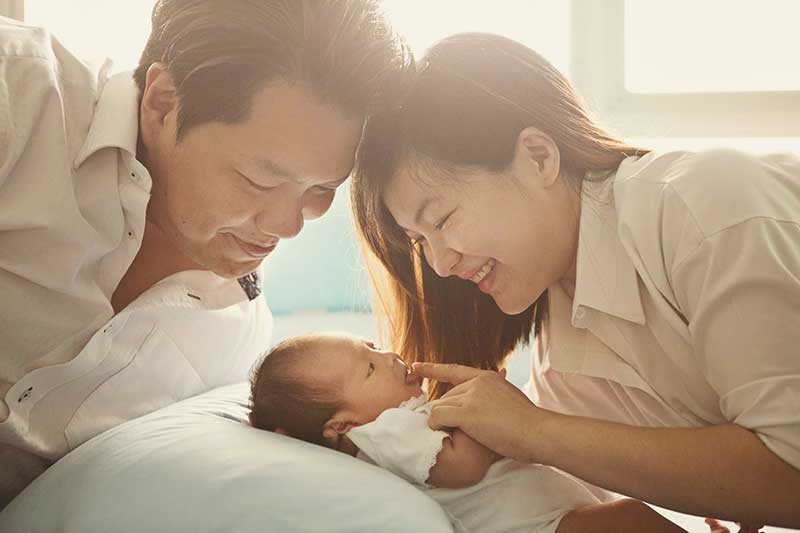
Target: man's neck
157, 259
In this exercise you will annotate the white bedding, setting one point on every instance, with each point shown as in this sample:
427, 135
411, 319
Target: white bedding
196, 467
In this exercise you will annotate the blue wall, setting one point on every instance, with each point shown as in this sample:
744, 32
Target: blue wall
321, 268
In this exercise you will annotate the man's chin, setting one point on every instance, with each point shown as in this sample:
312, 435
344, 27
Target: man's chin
231, 269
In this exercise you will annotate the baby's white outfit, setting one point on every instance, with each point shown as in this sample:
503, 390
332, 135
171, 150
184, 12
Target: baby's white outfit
513, 497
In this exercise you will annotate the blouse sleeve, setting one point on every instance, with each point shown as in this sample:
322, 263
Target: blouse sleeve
400, 441
740, 290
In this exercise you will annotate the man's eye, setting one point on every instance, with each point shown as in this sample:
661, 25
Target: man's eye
255, 185
323, 189
439, 225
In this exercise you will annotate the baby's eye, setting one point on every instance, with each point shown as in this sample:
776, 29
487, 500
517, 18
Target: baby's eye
371, 369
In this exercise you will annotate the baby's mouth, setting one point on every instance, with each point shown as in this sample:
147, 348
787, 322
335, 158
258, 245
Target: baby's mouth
411, 377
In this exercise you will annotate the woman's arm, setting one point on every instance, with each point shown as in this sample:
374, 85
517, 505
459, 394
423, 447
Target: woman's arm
463, 462
621, 516
722, 471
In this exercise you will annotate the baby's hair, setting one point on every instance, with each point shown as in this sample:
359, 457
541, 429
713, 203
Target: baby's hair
281, 397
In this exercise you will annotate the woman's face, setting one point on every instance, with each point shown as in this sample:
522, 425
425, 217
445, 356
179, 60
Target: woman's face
513, 233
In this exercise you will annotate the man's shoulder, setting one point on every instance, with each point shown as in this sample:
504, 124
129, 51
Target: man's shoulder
20, 40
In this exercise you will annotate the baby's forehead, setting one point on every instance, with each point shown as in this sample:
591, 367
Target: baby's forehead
335, 339
333, 347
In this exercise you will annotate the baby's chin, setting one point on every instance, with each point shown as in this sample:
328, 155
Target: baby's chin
415, 390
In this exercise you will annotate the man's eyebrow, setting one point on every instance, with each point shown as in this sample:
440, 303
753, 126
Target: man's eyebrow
275, 169
271, 167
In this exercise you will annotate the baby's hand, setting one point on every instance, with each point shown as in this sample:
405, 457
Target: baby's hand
716, 527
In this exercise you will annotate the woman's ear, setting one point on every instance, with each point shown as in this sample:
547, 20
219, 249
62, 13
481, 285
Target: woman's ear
537, 153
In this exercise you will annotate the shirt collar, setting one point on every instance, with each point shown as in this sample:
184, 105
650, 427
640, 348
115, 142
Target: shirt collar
606, 279
116, 118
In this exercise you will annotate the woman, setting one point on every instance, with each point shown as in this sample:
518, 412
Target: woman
663, 290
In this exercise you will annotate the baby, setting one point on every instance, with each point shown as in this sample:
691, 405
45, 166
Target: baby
345, 393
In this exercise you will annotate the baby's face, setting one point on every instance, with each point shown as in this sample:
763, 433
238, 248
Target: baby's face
369, 379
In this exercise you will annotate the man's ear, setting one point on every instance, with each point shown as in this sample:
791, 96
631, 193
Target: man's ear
159, 98
538, 152
336, 426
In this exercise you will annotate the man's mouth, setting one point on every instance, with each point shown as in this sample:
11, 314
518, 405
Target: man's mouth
256, 251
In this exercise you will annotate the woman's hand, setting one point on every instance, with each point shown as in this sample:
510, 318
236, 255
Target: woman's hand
487, 408
716, 527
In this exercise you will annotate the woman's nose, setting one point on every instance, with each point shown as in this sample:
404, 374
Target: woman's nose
442, 259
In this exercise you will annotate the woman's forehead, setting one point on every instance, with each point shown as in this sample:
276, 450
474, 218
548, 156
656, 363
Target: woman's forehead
408, 199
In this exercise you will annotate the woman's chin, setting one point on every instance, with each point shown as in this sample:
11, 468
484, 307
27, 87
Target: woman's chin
512, 307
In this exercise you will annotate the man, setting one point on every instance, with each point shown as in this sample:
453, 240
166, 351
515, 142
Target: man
135, 210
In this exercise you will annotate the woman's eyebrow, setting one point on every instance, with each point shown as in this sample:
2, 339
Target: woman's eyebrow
419, 213
421, 209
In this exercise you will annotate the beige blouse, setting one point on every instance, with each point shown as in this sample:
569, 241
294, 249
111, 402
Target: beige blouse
686, 309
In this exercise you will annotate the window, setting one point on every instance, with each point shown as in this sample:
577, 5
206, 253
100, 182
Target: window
689, 69
540, 24
664, 73
95, 29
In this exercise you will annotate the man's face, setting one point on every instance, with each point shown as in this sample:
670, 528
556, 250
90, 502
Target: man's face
227, 193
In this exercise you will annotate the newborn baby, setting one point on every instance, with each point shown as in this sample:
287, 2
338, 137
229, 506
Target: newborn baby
344, 393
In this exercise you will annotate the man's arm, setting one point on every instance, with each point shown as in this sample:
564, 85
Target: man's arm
463, 462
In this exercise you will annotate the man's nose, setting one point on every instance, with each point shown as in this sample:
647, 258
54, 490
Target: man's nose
283, 218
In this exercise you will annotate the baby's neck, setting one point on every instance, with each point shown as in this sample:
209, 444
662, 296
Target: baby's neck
347, 446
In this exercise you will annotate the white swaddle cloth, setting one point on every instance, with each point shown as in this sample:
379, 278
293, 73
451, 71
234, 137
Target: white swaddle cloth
513, 497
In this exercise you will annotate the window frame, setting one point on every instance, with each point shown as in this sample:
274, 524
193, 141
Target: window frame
597, 68
598, 71
13, 8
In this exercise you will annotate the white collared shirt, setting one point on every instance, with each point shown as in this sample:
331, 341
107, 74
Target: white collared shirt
686, 309
72, 214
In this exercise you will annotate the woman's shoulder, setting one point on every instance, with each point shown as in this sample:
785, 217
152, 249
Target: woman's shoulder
716, 188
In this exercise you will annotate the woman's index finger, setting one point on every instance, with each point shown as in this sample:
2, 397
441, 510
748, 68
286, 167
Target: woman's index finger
446, 372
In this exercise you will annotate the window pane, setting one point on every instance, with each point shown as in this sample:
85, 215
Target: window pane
93, 29
539, 24
712, 46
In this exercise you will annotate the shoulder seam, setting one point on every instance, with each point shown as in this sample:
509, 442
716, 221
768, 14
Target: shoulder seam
705, 238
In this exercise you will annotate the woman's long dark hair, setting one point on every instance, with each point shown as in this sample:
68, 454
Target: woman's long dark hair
472, 96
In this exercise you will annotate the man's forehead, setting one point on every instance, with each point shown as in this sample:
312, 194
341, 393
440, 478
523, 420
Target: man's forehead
265, 165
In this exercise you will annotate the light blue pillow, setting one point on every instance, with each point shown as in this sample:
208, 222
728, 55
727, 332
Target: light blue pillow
321, 268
